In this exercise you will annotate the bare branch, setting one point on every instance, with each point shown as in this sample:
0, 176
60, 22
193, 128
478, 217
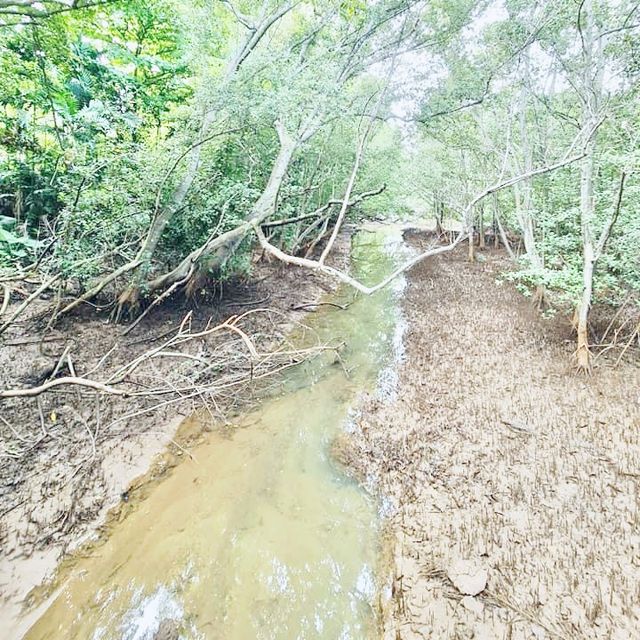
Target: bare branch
51, 384
45, 285
314, 265
243, 19
606, 232
323, 208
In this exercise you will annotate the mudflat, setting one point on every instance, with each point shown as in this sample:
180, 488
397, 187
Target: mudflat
513, 480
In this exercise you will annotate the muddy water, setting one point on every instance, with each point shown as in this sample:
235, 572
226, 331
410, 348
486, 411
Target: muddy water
261, 535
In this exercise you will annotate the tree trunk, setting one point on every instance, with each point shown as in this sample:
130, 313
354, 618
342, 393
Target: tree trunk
524, 191
439, 217
592, 86
177, 198
481, 240
587, 205
496, 230
505, 239
583, 354
472, 243
216, 251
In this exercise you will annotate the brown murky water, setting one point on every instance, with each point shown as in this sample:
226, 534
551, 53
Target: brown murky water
261, 535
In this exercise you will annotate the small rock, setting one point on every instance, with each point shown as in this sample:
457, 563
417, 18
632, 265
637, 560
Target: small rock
469, 577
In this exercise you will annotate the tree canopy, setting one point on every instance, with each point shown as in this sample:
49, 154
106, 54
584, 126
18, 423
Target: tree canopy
147, 147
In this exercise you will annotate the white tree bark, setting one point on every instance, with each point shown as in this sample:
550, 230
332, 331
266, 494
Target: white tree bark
587, 207
524, 191
315, 265
591, 94
217, 250
164, 214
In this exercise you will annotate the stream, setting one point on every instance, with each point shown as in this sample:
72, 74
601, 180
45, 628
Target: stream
261, 535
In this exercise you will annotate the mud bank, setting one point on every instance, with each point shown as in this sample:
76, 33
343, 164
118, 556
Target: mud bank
512, 482
60, 477
258, 534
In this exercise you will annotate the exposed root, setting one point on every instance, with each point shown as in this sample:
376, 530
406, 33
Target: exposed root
129, 299
166, 294
583, 353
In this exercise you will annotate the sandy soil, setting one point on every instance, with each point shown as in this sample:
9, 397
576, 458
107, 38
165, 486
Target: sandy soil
65, 465
512, 481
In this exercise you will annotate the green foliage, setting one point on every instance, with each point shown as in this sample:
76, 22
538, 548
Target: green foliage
512, 96
14, 247
100, 110
73, 86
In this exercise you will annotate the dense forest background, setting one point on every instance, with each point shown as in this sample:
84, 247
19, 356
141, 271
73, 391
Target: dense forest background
147, 147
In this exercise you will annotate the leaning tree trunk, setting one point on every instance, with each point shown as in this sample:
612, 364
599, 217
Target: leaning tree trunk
178, 196
212, 255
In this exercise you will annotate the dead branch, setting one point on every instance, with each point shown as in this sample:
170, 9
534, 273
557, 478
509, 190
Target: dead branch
51, 384
314, 305
359, 286
228, 359
6, 296
34, 296
634, 335
314, 214
606, 232
314, 265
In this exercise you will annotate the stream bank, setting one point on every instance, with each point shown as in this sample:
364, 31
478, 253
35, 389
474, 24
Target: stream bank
260, 534
56, 492
498, 458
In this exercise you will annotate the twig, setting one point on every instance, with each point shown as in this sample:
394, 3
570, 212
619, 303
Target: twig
309, 305
6, 296
626, 347
45, 285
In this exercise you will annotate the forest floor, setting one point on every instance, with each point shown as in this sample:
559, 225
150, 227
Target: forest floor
505, 467
68, 467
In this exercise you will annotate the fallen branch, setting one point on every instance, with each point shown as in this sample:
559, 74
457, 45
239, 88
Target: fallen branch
359, 286
36, 294
314, 265
634, 335
310, 305
120, 382
51, 384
